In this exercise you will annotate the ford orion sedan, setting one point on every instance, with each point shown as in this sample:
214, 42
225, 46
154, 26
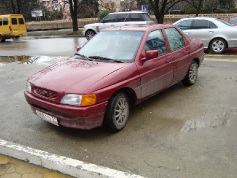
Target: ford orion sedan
117, 69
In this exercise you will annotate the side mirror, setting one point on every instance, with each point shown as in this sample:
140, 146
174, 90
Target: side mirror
151, 54
78, 48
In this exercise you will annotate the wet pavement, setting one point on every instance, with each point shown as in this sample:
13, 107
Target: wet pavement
14, 168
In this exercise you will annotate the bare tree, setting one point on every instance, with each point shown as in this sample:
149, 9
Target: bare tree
196, 4
73, 11
211, 4
162, 7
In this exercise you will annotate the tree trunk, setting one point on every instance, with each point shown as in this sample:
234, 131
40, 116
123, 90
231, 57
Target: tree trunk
73, 11
13, 7
199, 7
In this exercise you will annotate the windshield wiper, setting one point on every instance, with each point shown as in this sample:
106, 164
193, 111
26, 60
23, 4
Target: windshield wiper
83, 56
105, 58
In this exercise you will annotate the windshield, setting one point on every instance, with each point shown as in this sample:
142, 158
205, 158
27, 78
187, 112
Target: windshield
112, 45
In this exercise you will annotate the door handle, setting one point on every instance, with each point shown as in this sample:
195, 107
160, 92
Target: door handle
167, 62
211, 31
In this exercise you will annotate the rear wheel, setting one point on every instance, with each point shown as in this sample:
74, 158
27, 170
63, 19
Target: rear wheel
191, 76
218, 46
117, 112
89, 34
2, 39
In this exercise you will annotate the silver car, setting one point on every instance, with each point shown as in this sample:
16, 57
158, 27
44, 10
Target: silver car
216, 34
117, 19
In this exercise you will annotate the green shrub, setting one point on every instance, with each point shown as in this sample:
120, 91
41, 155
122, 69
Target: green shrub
102, 14
219, 11
191, 10
233, 10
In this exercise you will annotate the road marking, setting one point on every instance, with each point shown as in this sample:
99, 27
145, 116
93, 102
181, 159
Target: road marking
220, 60
62, 164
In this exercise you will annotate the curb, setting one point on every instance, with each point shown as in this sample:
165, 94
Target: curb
59, 163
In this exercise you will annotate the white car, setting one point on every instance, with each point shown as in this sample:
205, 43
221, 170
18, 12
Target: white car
116, 19
216, 34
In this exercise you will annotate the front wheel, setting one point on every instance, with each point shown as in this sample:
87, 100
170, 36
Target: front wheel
218, 46
2, 39
191, 76
117, 112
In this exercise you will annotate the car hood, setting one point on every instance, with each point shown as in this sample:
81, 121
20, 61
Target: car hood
65, 76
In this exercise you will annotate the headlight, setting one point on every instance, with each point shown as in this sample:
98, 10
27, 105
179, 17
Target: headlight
28, 87
79, 100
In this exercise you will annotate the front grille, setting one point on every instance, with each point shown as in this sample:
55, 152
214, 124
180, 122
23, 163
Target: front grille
46, 93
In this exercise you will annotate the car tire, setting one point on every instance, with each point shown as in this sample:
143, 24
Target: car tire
117, 112
2, 39
218, 45
192, 74
89, 34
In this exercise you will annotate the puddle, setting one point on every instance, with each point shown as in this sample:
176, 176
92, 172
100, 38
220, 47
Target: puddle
28, 59
218, 121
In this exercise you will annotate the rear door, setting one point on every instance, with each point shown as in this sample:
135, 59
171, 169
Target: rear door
180, 53
14, 25
22, 25
203, 30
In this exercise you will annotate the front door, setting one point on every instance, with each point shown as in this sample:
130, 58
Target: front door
156, 74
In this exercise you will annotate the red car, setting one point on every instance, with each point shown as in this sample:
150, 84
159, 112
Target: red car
115, 70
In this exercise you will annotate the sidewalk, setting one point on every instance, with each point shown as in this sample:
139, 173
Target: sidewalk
13, 168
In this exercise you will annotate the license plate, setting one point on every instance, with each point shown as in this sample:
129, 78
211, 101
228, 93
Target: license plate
48, 118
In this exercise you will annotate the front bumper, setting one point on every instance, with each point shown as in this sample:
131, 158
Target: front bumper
70, 116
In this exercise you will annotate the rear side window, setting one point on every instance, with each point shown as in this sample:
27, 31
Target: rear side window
5, 21
14, 21
175, 38
21, 21
135, 17
122, 17
200, 24
203, 24
0, 21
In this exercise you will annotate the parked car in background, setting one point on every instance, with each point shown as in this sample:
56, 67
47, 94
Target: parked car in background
216, 34
118, 19
12, 26
117, 69
232, 20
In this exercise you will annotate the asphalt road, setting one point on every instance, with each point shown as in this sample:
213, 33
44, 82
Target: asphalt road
181, 132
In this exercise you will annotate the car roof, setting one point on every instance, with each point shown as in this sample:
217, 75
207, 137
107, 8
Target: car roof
139, 28
128, 12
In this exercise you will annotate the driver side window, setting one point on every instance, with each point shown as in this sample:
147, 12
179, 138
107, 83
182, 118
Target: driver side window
155, 41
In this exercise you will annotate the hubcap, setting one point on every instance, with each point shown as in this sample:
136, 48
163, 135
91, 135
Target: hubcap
89, 35
121, 112
218, 46
193, 72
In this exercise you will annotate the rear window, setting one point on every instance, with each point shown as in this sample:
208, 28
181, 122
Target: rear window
0, 21
14, 21
21, 21
5, 21
146, 17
